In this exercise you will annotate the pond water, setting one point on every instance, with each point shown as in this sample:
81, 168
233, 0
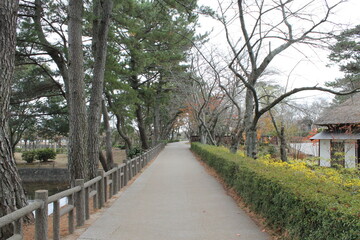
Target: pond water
53, 188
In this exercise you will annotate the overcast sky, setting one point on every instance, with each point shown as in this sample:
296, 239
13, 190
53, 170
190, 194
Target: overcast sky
310, 64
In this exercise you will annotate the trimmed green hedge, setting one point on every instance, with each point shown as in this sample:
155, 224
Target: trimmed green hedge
303, 207
43, 154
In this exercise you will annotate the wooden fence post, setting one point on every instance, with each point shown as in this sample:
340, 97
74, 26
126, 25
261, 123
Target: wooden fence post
80, 203
41, 221
106, 188
115, 180
95, 197
118, 172
126, 172
87, 204
135, 166
71, 214
101, 189
18, 224
56, 220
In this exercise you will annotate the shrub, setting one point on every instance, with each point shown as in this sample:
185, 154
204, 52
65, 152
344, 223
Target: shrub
133, 152
290, 196
45, 154
29, 156
120, 146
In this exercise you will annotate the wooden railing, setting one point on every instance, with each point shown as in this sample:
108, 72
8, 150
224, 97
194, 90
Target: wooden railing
100, 189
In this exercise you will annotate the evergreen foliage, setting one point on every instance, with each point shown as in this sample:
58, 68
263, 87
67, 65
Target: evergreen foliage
43, 155
346, 54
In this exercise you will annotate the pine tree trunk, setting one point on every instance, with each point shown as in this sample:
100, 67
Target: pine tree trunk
157, 111
77, 108
103, 12
12, 195
156, 121
141, 126
127, 140
108, 143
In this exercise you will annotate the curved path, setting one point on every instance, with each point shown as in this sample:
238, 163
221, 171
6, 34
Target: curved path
174, 199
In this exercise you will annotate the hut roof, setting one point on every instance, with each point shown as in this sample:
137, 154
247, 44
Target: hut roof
335, 135
346, 113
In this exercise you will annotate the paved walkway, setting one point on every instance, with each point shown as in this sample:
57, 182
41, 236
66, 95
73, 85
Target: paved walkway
174, 199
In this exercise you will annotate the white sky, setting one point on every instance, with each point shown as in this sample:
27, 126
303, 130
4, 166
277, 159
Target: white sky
310, 69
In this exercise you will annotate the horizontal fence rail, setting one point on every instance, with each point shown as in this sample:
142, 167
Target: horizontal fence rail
99, 189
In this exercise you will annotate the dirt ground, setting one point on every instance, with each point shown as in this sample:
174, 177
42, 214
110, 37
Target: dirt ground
61, 160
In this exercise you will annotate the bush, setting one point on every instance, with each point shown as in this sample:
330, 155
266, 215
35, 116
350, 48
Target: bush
292, 198
133, 152
29, 156
45, 154
120, 146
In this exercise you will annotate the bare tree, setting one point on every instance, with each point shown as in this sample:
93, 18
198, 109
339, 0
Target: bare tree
12, 195
267, 29
207, 102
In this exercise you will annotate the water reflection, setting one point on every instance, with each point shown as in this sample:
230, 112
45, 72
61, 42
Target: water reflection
53, 188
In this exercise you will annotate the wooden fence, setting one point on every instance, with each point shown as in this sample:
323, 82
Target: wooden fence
100, 189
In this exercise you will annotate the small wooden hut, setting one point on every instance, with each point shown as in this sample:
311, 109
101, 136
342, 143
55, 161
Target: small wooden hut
339, 143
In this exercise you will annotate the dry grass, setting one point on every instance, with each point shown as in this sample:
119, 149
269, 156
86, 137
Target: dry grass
61, 160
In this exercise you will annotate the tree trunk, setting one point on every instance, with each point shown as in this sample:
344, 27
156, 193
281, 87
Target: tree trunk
283, 153
108, 143
203, 135
157, 120
119, 123
128, 143
236, 140
250, 130
54, 52
251, 142
103, 12
12, 195
77, 108
234, 145
281, 135
141, 126
103, 161
159, 92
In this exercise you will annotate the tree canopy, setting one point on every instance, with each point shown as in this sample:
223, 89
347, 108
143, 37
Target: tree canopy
346, 54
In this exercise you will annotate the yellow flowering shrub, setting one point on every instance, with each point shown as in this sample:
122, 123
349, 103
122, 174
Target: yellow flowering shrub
347, 179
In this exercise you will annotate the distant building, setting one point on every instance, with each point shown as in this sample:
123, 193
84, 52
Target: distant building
339, 143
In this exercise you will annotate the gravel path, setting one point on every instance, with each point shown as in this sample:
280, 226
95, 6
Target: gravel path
174, 199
